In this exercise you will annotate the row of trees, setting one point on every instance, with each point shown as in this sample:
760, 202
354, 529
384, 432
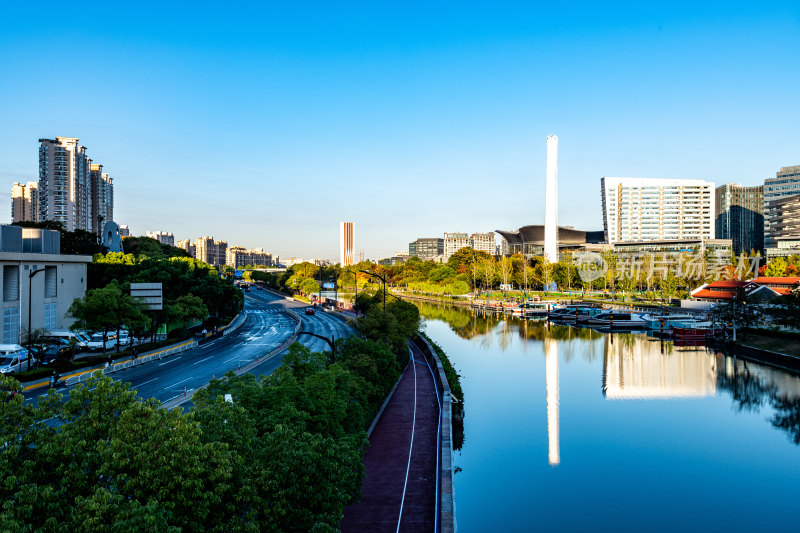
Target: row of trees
285, 455
182, 279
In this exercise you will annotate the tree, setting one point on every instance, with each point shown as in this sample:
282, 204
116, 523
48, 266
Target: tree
487, 271
776, 267
105, 310
506, 267
188, 307
735, 313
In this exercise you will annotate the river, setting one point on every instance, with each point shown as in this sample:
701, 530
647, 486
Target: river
569, 429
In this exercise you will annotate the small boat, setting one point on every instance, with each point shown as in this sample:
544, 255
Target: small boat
531, 309
656, 321
617, 318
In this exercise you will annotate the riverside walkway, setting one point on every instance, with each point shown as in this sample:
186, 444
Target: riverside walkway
399, 492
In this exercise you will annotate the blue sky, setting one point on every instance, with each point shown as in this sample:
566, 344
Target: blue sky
267, 124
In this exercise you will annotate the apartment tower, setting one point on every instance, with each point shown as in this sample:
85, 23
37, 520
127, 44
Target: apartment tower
25, 202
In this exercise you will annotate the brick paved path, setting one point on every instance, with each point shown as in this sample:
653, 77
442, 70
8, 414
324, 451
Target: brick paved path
400, 488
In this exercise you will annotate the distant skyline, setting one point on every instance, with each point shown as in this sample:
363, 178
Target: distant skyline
266, 126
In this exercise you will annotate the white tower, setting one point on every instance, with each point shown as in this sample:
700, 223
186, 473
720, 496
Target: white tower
551, 201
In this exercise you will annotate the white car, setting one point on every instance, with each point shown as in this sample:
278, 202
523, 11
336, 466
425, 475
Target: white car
14, 358
124, 338
96, 342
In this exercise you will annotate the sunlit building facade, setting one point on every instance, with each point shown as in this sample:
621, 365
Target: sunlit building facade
653, 209
25, 202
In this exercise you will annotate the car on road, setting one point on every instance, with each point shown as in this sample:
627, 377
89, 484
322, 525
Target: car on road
15, 358
309, 310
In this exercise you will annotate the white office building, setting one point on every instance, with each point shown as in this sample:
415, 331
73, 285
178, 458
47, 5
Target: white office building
453, 242
654, 209
785, 183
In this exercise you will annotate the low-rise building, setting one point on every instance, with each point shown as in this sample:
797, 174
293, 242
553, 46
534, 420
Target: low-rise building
162, 236
38, 283
426, 248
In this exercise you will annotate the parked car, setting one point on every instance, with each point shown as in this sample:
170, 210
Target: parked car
63, 351
96, 342
15, 358
124, 338
79, 338
309, 310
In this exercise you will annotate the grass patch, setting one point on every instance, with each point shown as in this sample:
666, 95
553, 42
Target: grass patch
780, 344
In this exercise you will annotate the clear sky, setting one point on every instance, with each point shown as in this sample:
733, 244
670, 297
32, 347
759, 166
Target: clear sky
266, 124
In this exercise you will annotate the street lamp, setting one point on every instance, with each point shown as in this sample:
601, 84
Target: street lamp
30, 299
383, 279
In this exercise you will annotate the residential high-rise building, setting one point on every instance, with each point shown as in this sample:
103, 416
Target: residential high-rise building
426, 248
483, 242
551, 201
346, 244
651, 209
162, 236
72, 190
740, 216
213, 253
64, 183
785, 183
25, 202
101, 194
186, 245
453, 242
238, 256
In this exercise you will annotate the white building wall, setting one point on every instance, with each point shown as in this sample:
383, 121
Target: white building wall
651, 209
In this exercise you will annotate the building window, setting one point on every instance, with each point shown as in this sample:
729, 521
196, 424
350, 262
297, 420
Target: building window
50, 316
10, 325
10, 283
50, 282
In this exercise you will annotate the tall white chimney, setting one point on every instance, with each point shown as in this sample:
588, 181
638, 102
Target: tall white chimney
551, 201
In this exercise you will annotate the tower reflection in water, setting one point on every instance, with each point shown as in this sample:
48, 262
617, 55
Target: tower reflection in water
551, 378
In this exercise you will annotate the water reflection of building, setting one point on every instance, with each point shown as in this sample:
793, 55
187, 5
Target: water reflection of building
637, 369
551, 377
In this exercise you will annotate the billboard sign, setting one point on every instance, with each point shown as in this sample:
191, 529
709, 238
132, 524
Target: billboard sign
329, 285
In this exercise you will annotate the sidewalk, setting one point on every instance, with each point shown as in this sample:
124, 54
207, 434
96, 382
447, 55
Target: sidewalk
400, 486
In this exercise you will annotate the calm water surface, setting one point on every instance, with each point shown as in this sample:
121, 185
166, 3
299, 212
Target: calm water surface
569, 429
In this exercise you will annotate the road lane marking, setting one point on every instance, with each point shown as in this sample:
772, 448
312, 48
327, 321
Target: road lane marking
178, 383
201, 360
169, 361
146, 382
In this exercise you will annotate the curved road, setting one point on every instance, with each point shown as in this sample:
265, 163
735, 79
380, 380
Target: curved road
266, 326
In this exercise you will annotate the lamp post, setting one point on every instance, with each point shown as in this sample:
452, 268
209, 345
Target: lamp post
383, 280
30, 299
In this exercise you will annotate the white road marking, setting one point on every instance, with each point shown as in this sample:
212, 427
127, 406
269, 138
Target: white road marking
169, 361
411, 445
201, 360
178, 383
146, 382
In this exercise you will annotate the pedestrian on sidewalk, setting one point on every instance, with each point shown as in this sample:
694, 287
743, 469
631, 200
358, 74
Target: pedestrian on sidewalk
133, 353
